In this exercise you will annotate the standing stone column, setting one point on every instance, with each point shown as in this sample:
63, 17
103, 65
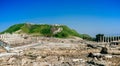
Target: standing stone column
100, 38
118, 37
103, 39
108, 39
113, 38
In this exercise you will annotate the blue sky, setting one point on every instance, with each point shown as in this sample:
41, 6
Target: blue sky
85, 16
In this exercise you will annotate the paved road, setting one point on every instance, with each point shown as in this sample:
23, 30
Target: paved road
16, 50
26, 46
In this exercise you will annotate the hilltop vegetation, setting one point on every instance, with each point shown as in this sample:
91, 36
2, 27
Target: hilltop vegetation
59, 31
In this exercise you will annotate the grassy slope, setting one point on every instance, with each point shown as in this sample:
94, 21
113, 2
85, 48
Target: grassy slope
44, 30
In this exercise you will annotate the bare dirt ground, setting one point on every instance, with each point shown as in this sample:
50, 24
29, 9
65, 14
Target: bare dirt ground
58, 52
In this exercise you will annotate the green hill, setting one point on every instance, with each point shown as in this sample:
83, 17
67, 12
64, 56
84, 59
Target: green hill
59, 31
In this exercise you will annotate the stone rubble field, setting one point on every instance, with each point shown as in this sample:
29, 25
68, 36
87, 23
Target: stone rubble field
61, 52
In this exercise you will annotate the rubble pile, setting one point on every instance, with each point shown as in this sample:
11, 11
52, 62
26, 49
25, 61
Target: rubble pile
63, 52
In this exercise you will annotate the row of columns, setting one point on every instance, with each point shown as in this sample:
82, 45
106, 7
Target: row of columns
109, 38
